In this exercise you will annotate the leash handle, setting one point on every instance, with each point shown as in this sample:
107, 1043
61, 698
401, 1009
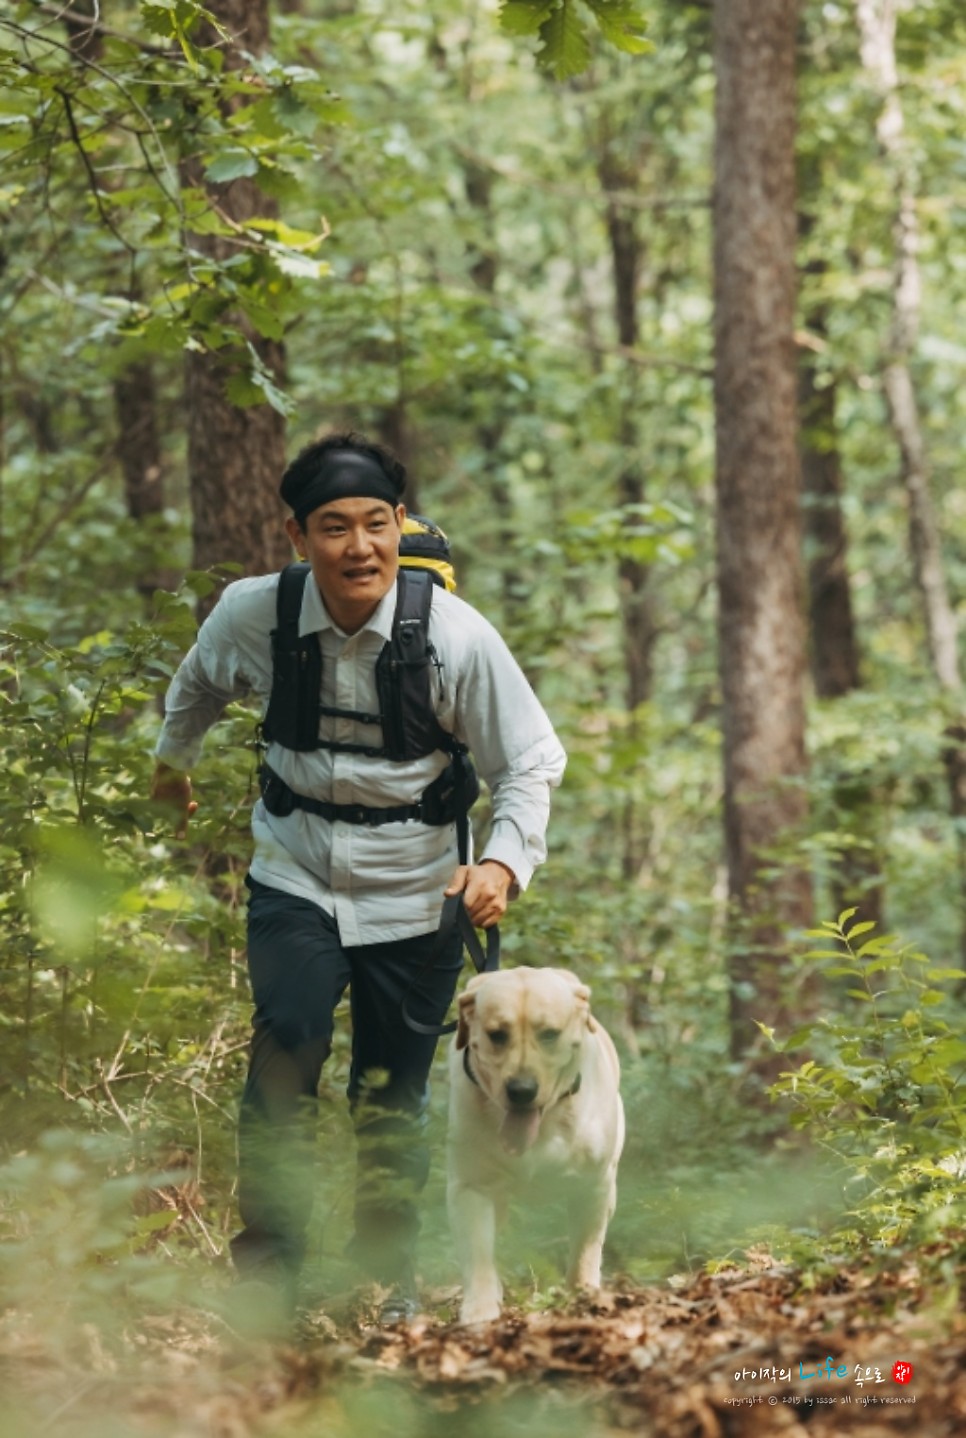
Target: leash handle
454, 916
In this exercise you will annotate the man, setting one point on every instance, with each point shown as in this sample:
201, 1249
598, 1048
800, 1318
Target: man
349, 898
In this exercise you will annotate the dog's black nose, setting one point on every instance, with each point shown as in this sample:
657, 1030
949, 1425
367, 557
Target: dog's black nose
522, 1090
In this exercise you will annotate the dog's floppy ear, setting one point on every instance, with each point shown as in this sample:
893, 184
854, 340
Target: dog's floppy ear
467, 1003
582, 995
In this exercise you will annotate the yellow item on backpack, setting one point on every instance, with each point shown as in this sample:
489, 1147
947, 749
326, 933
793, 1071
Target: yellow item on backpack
423, 545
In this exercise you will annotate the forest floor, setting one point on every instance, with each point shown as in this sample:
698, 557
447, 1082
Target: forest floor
749, 1351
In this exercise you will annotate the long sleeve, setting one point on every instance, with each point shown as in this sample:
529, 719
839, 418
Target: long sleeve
223, 665
515, 748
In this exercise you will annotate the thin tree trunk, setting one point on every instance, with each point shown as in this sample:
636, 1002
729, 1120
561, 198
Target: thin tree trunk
834, 645
877, 29
760, 578
857, 880
484, 269
638, 626
142, 465
637, 609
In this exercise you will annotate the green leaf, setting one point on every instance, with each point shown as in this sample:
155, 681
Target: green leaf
565, 51
231, 165
525, 17
621, 23
858, 929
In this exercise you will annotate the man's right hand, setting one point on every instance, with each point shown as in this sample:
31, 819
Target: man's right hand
173, 788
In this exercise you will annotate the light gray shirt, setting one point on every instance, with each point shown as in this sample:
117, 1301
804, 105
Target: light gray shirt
384, 882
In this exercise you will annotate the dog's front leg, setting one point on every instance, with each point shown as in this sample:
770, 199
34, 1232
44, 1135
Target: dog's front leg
591, 1208
472, 1216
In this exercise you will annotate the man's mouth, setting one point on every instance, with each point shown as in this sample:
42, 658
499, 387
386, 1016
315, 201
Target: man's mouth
357, 576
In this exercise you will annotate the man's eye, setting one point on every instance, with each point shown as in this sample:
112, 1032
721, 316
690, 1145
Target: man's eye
549, 1036
498, 1037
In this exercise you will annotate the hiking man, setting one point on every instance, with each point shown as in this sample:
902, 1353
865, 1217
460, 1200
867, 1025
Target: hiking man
355, 842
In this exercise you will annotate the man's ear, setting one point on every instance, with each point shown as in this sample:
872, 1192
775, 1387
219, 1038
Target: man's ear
296, 534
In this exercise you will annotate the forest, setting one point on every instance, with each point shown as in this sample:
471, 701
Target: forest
657, 301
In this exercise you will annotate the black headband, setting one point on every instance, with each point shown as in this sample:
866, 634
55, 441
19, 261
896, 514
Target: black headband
344, 474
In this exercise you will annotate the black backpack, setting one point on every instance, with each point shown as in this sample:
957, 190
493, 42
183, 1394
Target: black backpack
410, 728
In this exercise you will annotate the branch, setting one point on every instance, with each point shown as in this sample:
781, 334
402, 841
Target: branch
28, 35
91, 174
91, 24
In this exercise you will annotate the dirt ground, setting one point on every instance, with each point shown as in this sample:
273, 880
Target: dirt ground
749, 1351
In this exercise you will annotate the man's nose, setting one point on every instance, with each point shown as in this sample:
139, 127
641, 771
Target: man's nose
360, 541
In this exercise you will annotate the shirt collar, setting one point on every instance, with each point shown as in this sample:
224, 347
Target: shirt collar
315, 618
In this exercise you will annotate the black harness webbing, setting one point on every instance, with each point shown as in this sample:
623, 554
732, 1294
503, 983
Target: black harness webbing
280, 799
485, 961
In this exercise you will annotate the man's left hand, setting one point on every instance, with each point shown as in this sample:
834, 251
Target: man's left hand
485, 888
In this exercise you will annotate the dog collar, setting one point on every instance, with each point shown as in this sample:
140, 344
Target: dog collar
466, 1067
573, 1089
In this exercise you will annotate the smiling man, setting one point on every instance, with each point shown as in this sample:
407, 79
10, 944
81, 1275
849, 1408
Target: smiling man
353, 851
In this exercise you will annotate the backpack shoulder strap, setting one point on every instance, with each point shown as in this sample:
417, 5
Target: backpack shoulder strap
288, 601
410, 623
403, 674
292, 716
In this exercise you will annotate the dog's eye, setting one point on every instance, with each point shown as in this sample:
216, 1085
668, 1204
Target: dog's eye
549, 1036
498, 1037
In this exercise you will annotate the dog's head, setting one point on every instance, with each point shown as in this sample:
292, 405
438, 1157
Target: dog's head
524, 1028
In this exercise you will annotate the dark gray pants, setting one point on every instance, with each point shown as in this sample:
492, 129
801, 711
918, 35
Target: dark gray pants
299, 970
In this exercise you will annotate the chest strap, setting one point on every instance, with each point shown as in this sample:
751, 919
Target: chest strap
281, 801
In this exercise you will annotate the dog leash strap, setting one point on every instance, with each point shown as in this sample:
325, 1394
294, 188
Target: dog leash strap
484, 960
454, 916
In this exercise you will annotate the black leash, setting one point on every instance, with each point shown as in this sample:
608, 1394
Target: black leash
485, 961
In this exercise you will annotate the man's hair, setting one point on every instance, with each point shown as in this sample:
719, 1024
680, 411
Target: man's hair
310, 461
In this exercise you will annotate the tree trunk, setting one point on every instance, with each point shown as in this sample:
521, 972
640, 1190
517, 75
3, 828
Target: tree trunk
235, 456
140, 456
760, 579
834, 645
484, 269
877, 30
638, 627
637, 610
857, 880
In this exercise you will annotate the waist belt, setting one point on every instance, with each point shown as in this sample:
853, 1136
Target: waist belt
281, 801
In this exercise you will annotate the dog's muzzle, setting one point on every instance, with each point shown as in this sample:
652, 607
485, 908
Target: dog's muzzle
521, 1090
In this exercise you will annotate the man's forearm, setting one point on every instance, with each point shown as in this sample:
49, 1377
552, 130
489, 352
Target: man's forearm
191, 706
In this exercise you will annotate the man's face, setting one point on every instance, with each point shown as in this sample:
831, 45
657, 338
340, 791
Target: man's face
353, 548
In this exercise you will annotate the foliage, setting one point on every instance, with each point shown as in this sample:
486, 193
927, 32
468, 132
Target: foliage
881, 1093
107, 923
564, 44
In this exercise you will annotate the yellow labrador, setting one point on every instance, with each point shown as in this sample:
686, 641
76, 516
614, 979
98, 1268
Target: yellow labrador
534, 1092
